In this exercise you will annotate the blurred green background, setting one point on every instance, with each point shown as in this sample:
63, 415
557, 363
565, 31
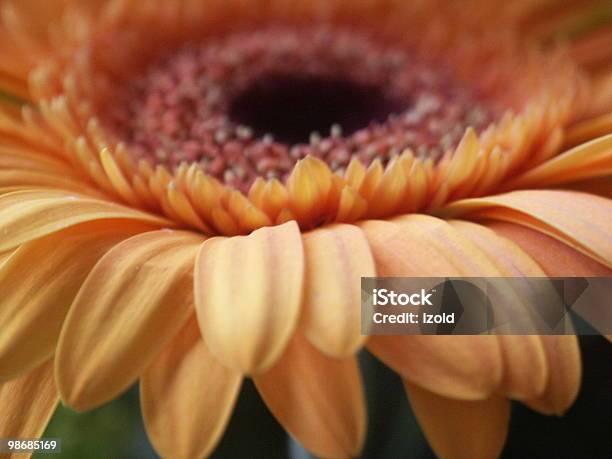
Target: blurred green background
116, 430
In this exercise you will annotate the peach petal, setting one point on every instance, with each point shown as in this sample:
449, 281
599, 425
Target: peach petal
475, 370
248, 292
28, 403
336, 257
136, 298
458, 429
318, 399
580, 220
39, 283
187, 397
28, 215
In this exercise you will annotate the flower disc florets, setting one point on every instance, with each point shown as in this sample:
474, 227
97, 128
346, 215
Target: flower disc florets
253, 103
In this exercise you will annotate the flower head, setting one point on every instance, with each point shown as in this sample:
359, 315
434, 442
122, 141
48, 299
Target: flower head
204, 184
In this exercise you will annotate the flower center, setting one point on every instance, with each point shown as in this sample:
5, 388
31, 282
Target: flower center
253, 103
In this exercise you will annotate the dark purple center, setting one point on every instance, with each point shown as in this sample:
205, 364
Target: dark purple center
292, 107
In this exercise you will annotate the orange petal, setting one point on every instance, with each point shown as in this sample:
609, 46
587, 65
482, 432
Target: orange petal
525, 366
390, 191
336, 256
525, 363
565, 370
184, 209
39, 283
308, 187
114, 173
396, 252
465, 257
558, 260
588, 160
509, 259
133, 302
593, 50
371, 180
355, 173
525, 370
319, 400
589, 129
44, 179
580, 220
248, 291
458, 429
555, 258
563, 355
27, 404
28, 215
464, 160
187, 397
524, 360
5, 256
474, 373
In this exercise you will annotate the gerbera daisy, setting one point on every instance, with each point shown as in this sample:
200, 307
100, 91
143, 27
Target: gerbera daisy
190, 192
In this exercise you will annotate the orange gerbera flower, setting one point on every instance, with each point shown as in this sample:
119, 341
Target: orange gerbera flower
190, 192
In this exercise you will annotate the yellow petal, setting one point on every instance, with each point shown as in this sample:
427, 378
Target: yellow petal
474, 369
27, 404
457, 429
28, 215
248, 291
319, 400
337, 256
39, 283
580, 220
136, 298
187, 397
